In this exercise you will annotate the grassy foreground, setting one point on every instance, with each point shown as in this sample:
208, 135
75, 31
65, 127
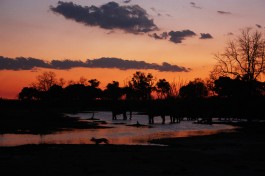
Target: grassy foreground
240, 153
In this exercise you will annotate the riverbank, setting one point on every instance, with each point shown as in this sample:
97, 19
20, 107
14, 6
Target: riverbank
240, 153
40, 121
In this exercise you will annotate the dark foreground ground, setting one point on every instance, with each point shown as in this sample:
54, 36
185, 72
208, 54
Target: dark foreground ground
236, 154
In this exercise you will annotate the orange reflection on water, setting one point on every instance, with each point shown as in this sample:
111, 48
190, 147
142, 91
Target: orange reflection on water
83, 137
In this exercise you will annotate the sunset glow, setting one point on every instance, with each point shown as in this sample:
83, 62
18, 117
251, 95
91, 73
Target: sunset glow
33, 28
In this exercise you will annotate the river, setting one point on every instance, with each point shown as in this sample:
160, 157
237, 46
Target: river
119, 133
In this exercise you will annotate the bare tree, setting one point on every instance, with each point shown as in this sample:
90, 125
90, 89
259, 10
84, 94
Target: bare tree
243, 57
82, 80
175, 85
61, 82
45, 81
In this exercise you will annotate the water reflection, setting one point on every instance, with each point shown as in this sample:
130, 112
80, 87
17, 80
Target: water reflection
119, 134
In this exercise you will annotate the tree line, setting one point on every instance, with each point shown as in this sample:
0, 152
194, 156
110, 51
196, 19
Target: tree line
234, 88
237, 74
141, 87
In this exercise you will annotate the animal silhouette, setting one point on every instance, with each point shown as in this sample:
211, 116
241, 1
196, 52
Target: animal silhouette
152, 115
99, 140
121, 111
119, 108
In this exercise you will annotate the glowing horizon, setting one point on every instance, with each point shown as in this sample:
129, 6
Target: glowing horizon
194, 32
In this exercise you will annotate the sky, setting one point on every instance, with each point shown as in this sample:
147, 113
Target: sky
111, 40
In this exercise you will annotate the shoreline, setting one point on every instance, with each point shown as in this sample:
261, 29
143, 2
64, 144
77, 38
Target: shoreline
144, 139
240, 153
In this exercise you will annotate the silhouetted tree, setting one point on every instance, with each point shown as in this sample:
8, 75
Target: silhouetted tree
76, 92
141, 85
55, 93
61, 82
194, 89
175, 85
209, 83
45, 81
162, 88
28, 93
130, 93
82, 80
113, 91
243, 58
94, 83
93, 90
227, 87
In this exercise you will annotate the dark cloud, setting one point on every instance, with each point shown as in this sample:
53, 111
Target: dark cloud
164, 35
166, 67
179, 36
66, 64
32, 63
21, 63
126, 1
132, 64
130, 18
206, 36
223, 12
258, 26
193, 4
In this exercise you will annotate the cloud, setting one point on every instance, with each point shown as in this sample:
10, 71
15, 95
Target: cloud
166, 67
206, 36
258, 26
164, 35
130, 18
22, 63
179, 36
174, 36
132, 64
223, 12
66, 64
193, 4
126, 1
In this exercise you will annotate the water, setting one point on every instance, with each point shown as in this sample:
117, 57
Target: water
120, 133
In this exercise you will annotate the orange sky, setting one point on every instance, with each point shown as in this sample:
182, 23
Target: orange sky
14, 81
30, 29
